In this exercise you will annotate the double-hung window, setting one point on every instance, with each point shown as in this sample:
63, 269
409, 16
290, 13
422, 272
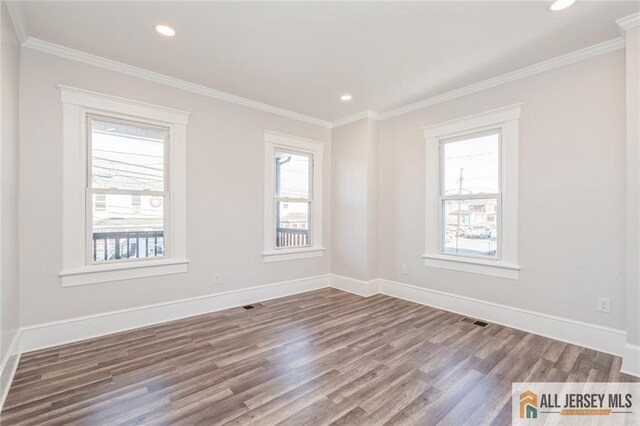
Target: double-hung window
470, 195
127, 190
293, 197
124, 210
472, 178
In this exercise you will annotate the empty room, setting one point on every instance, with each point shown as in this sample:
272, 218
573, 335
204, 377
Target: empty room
320, 213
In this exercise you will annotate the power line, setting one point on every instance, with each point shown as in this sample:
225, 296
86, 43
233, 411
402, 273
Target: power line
128, 153
127, 163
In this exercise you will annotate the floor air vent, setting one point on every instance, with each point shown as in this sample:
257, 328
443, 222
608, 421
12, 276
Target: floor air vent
475, 322
255, 305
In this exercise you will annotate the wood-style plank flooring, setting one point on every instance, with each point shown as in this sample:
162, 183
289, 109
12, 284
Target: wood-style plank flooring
323, 357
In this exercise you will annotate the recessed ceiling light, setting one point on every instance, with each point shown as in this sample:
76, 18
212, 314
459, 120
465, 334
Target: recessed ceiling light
560, 4
345, 98
165, 30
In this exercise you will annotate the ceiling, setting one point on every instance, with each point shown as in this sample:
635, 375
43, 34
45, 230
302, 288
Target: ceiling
302, 56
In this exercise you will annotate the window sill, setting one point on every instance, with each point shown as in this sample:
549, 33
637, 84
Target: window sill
93, 274
292, 254
474, 266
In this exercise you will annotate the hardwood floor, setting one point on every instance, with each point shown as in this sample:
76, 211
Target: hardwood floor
323, 357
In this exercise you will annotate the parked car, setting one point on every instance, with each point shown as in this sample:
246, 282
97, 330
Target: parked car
478, 232
452, 232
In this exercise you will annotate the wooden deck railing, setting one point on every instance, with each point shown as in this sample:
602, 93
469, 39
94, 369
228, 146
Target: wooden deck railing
292, 237
127, 245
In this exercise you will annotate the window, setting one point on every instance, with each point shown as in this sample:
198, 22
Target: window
471, 218
101, 202
136, 202
125, 162
469, 194
127, 166
293, 197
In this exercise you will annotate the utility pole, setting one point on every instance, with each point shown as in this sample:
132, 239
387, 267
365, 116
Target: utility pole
459, 206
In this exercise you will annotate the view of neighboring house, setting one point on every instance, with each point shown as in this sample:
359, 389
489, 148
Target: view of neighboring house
127, 169
293, 198
293, 220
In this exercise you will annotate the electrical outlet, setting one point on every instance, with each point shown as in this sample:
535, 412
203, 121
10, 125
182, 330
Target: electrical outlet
404, 269
217, 278
604, 305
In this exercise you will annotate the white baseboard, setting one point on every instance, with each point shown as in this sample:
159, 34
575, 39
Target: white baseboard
41, 336
631, 360
56, 333
355, 286
592, 336
8, 367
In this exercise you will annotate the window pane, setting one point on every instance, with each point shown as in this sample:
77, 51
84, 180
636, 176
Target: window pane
471, 227
293, 228
126, 156
471, 166
292, 175
127, 226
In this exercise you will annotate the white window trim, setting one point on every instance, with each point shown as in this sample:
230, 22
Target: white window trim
506, 120
273, 142
77, 104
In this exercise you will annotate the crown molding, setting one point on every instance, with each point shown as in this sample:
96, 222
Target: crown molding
17, 18
540, 67
557, 62
98, 61
356, 117
629, 22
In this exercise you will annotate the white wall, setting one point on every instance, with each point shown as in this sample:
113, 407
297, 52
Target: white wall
9, 77
355, 191
225, 151
632, 38
571, 194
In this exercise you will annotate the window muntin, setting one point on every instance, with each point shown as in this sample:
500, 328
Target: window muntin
128, 169
293, 199
470, 195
